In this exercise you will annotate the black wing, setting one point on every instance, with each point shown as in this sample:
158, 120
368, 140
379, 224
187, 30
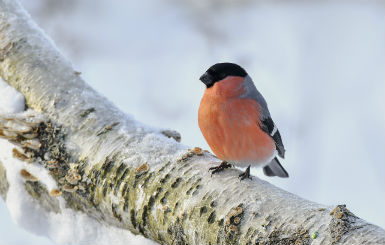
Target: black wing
269, 127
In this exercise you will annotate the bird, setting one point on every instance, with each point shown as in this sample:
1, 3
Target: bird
236, 123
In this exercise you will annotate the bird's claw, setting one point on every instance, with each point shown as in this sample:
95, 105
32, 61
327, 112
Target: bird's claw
221, 167
245, 174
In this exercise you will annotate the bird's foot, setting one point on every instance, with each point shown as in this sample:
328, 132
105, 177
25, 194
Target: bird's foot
246, 174
219, 168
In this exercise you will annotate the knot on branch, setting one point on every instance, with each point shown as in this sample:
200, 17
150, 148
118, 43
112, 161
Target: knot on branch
341, 223
172, 134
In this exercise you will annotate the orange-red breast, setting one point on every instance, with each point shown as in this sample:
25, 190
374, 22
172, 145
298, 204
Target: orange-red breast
236, 123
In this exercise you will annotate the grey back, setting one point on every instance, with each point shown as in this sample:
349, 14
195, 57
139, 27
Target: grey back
252, 92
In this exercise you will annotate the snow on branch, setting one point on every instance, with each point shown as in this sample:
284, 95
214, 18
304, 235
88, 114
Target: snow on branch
76, 151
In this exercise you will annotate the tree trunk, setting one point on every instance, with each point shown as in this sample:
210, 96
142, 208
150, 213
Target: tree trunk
129, 175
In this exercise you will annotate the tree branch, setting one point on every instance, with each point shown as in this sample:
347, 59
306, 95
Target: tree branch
135, 177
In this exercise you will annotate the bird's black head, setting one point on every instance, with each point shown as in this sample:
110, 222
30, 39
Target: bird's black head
220, 71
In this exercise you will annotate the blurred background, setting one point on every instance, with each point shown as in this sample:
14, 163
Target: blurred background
319, 64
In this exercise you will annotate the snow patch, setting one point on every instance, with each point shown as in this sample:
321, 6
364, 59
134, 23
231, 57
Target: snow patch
11, 101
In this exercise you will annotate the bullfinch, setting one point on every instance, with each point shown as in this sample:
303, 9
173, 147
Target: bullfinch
236, 123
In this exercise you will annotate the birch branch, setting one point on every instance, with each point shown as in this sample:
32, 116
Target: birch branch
138, 178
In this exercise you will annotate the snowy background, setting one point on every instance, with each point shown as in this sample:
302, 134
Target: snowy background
320, 66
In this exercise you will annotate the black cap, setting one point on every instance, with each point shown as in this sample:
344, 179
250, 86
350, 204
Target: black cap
220, 71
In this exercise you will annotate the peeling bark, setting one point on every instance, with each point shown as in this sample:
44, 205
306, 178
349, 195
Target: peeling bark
138, 178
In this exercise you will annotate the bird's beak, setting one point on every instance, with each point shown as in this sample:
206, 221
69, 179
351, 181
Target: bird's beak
207, 79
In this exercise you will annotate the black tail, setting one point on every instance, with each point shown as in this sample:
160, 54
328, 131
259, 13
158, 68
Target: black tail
274, 168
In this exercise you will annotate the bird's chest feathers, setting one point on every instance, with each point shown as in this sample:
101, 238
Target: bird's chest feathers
223, 101
218, 114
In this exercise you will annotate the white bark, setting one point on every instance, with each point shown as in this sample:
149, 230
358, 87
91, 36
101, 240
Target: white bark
133, 176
